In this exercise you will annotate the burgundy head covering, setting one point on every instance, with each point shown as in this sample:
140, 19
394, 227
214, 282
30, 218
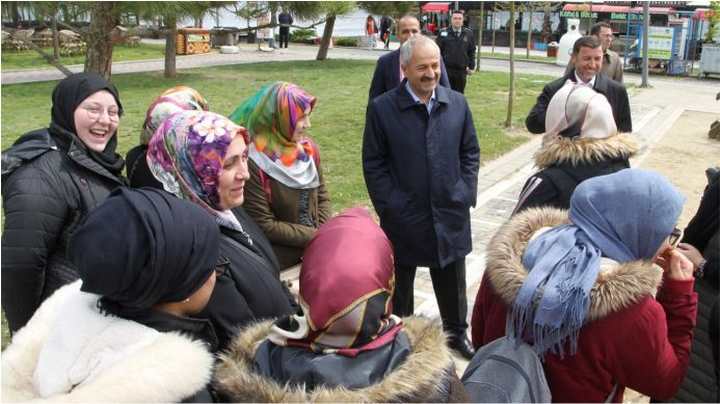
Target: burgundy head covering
346, 285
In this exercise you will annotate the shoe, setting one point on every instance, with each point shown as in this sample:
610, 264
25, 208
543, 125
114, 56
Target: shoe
462, 346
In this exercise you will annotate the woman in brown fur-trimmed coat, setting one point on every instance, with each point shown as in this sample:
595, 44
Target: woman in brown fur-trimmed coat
345, 346
581, 142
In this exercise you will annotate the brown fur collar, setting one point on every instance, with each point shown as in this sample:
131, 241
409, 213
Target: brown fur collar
418, 376
557, 149
618, 285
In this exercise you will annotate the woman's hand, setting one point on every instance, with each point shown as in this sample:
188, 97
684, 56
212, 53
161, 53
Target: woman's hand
676, 265
691, 253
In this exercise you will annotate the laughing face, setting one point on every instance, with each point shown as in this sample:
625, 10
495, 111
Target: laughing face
96, 120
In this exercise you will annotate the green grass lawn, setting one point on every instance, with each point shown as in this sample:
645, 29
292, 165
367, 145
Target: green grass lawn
519, 56
337, 123
29, 59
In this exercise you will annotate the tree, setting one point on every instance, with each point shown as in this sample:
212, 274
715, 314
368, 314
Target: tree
713, 16
511, 92
104, 17
529, 10
394, 9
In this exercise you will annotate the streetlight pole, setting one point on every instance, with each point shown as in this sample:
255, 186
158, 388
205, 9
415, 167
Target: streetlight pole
646, 45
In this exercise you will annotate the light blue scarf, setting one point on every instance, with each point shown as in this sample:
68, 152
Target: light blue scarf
624, 216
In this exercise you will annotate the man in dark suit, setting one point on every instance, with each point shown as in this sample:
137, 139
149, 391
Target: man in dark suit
387, 71
587, 57
420, 161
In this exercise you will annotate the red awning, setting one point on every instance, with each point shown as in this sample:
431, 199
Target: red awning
435, 7
604, 8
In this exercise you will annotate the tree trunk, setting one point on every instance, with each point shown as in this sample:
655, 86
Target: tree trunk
529, 37
64, 70
511, 92
15, 14
170, 45
547, 24
56, 37
99, 39
326, 38
492, 52
480, 36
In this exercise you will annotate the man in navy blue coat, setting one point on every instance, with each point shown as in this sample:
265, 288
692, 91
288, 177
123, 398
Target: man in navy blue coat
420, 160
387, 71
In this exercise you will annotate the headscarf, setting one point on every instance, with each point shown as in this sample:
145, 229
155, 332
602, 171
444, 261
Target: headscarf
144, 247
66, 97
624, 216
271, 116
347, 281
578, 110
173, 100
186, 155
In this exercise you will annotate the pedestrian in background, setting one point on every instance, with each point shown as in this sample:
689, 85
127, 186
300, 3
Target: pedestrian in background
386, 24
285, 20
371, 31
457, 47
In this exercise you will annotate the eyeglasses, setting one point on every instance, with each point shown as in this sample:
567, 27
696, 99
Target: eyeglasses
675, 237
95, 113
221, 266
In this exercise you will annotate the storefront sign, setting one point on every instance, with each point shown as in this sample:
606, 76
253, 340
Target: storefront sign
578, 14
624, 16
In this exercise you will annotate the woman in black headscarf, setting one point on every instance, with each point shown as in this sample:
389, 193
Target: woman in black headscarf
132, 331
51, 178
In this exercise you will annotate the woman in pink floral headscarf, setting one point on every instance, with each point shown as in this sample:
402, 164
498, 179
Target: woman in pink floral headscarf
202, 156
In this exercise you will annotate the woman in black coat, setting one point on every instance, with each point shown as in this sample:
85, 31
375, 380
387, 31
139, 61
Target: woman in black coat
51, 178
202, 156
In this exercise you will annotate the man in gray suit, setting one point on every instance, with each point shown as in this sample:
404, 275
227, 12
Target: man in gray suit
612, 64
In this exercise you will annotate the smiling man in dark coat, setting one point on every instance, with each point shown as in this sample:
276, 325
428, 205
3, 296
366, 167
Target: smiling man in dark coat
387, 73
587, 57
420, 161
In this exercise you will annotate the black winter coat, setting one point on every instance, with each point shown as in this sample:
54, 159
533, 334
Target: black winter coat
566, 162
138, 172
421, 174
250, 289
614, 92
387, 74
48, 187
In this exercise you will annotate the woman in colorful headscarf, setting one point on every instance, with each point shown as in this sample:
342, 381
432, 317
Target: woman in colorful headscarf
345, 345
286, 193
600, 291
172, 101
202, 157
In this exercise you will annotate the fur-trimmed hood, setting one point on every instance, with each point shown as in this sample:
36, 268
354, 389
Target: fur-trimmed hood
557, 149
169, 369
618, 286
419, 377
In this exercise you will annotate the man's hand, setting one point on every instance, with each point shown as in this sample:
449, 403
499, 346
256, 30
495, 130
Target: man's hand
468, 71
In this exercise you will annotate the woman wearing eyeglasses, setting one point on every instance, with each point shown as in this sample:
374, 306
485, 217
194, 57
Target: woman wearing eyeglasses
51, 178
600, 291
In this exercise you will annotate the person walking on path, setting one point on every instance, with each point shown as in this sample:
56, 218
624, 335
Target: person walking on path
371, 31
420, 162
587, 56
388, 73
612, 65
51, 179
457, 47
386, 24
285, 20
600, 291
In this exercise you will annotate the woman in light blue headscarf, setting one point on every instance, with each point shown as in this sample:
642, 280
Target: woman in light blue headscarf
599, 292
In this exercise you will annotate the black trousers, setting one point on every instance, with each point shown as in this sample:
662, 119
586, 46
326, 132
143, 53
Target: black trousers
458, 79
284, 36
450, 291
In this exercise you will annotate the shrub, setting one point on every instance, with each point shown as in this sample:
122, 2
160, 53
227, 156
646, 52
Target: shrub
303, 35
346, 41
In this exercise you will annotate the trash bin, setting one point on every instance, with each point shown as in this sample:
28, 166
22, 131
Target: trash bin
552, 49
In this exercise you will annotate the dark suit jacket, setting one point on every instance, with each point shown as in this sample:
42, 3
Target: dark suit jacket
614, 92
387, 74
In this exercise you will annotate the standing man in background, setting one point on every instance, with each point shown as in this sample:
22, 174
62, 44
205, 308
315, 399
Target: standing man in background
612, 66
285, 20
457, 47
387, 71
